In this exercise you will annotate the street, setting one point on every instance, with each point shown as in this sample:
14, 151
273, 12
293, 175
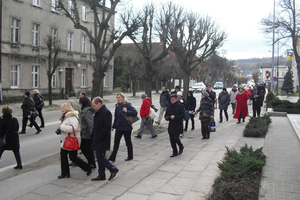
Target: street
35, 147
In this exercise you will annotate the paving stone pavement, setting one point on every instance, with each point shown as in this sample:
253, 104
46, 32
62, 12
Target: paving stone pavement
152, 174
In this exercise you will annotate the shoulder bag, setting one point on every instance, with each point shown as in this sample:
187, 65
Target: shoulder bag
71, 143
3, 140
130, 119
152, 113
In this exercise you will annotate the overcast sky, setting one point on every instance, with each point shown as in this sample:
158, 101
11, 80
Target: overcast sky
239, 18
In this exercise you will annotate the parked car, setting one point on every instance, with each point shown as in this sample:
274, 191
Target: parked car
218, 85
198, 87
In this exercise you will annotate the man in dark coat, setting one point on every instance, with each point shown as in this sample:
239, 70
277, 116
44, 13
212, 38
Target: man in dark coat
101, 136
164, 101
261, 88
224, 99
256, 97
28, 107
211, 94
175, 116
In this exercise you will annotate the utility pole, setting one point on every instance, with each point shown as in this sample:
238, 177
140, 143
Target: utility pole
1, 98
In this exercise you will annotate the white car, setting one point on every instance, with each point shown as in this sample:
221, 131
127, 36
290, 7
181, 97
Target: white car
198, 87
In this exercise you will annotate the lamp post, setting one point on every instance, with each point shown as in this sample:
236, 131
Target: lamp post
272, 75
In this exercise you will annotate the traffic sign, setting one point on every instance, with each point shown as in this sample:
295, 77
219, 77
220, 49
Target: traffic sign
267, 74
274, 78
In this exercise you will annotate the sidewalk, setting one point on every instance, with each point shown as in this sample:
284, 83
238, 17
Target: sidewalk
152, 174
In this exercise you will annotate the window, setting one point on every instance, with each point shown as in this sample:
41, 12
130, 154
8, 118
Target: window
54, 34
35, 34
35, 76
83, 77
71, 7
83, 13
70, 41
14, 73
53, 80
84, 44
54, 5
283, 73
15, 31
36, 2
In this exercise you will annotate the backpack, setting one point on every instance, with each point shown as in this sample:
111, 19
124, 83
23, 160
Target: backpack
41, 103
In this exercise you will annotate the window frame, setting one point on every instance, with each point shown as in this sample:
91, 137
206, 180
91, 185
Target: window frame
84, 15
84, 44
35, 76
36, 3
71, 7
53, 80
54, 34
15, 30
54, 5
12, 77
70, 40
36, 34
83, 77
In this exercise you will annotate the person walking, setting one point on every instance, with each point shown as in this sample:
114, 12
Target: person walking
206, 113
182, 101
39, 104
73, 101
101, 137
144, 113
233, 94
28, 107
211, 93
164, 101
191, 106
122, 127
9, 125
256, 97
69, 126
175, 116
242, 107
224, 99
86, 122
177, 89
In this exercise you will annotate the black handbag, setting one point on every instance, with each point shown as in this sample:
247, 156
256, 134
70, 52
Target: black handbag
34, 113
130, 119
3, 140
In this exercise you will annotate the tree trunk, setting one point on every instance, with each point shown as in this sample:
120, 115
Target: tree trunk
133, 88
298, 70
148, 87
157, 86
186, 84
49, 90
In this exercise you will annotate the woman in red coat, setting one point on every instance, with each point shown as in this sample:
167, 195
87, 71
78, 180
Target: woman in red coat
241, 107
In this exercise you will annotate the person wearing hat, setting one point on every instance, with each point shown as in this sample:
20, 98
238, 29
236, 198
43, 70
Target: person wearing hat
224, 99
144, 113
256, 97
177, 89
175, 115
233, 94
206, 113
241, 107
28, 107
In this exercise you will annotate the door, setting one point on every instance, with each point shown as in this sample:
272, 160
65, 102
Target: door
69, 82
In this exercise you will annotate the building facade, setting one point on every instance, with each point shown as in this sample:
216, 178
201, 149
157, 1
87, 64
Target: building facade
24, 63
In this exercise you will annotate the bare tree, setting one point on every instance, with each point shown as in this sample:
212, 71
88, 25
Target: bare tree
287, 23
54, 47
144, 37
105, 39
194, 39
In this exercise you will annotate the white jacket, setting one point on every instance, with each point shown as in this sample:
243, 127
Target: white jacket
71, 118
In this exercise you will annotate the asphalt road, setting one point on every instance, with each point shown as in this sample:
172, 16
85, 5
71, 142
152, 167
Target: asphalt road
35, 147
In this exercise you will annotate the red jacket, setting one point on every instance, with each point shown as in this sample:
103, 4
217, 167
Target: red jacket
241, 106
145, 108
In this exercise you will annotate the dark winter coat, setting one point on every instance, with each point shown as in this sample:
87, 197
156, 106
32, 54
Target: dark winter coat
224, 100
191, 102
12, 138
212, 95
176, 124
164, 99
183, 102
27, 106
256, 100
38, 101
206, 109
87, 120
120, 123
101, 134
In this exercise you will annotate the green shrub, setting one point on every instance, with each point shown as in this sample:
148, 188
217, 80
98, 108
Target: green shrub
240, 174
285, 106
257, 126
270, 97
